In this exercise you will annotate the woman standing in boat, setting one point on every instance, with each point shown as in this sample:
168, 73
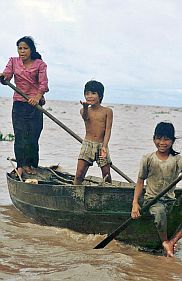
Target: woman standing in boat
159, 169
30, 75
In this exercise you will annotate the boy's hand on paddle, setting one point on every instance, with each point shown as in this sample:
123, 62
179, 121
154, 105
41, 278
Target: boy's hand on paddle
103, 153
135, 212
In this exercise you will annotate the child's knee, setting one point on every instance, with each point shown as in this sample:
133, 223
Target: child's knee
160, 218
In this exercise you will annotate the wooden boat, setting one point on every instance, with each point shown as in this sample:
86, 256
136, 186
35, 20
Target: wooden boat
94, 207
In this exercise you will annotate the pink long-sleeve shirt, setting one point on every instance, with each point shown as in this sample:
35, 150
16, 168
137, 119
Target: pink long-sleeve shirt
31, 80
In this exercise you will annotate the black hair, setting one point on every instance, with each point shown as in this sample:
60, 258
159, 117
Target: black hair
30, 42
95, 86
165, 129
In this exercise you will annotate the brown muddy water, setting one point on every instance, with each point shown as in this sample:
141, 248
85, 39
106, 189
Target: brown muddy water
29, 251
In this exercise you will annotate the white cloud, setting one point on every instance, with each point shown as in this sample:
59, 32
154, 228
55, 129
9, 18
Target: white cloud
131, 46
54, 11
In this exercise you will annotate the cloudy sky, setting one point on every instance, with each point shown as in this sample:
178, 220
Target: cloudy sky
133, 47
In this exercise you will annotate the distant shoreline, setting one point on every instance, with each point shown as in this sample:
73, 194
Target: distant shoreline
109, 104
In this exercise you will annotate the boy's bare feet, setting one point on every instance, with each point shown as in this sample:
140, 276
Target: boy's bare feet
169, 248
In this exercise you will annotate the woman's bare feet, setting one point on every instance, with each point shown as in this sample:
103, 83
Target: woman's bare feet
20, 171
169, 248
30, 171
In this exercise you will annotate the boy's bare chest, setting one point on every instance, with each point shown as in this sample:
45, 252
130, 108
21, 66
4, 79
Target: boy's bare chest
98, 116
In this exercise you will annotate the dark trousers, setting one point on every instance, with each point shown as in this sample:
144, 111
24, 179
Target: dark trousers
27, 124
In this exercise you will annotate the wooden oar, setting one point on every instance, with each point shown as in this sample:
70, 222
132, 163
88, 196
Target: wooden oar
15, 168
6, 82
124, 225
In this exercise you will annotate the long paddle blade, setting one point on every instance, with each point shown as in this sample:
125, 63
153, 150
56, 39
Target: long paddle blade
123, 226
63, 126
110, 237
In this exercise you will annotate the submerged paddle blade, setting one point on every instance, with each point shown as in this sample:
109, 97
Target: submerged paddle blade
110, 237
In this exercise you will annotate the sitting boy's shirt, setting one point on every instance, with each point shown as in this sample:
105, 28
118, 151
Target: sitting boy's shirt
159, 174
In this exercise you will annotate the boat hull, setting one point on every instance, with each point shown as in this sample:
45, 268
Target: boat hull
89, 209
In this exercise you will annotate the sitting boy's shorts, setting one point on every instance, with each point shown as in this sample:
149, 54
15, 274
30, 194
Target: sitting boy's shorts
160, 210
90, 152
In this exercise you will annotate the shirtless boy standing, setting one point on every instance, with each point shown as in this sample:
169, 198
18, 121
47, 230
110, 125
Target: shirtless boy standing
98, 123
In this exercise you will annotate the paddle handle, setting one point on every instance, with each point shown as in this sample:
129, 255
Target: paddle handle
123, 226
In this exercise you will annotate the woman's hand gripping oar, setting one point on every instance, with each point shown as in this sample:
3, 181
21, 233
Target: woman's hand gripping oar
124, 225
7, 82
